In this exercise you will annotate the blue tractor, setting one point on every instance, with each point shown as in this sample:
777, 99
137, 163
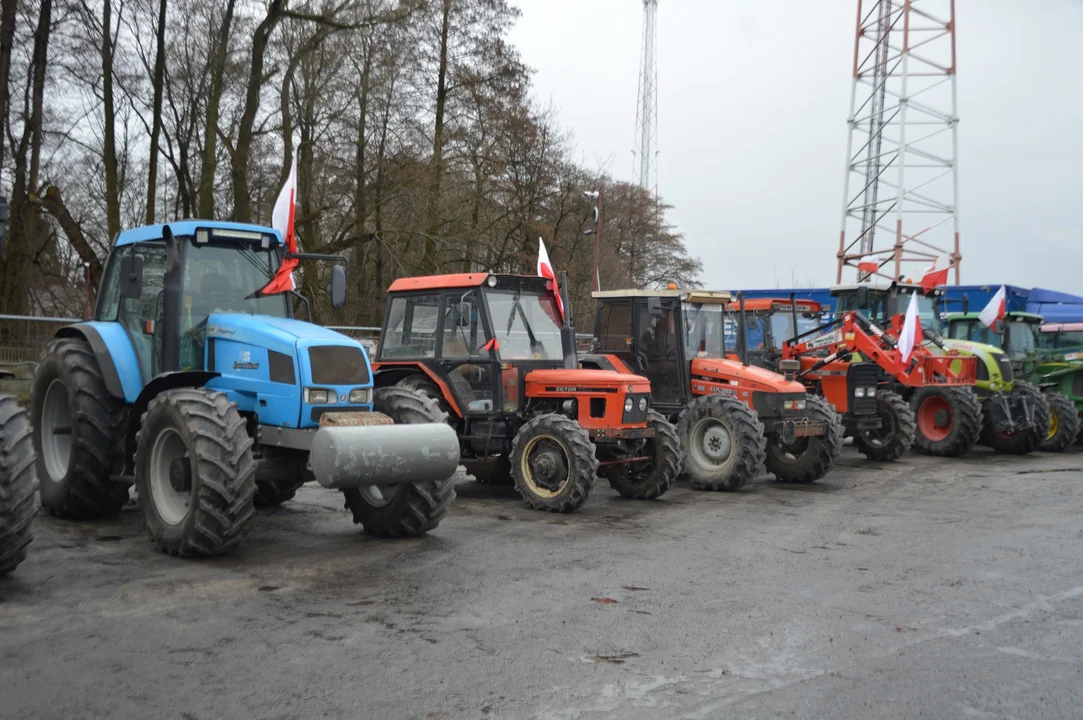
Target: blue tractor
211, 399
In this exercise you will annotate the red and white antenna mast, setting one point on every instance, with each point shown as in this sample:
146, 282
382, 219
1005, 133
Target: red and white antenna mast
646, 149
900, 198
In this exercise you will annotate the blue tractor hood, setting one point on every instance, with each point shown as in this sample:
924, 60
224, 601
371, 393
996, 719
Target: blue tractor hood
267, 331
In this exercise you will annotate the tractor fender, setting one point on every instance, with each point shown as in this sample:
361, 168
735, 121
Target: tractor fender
385, 375
115, 354
164, 381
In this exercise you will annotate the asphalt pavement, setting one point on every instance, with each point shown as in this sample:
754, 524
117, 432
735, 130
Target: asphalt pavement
925, 588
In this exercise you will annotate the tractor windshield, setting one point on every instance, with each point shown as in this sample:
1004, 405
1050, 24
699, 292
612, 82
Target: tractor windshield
527, 326
705, 330
928, 310
223, 276
1022, 338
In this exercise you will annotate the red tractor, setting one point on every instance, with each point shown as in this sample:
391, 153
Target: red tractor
880, 421
498, 354
732, 417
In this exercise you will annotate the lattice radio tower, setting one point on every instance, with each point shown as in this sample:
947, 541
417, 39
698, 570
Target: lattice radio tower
646, 148
900, 198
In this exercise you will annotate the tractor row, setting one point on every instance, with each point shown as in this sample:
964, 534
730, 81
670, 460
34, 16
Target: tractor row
201, 391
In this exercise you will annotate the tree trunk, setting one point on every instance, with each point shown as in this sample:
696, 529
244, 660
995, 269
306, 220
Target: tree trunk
210, 132
242, 202
428, 257
158, 81
360, 200
8, 18
109, 140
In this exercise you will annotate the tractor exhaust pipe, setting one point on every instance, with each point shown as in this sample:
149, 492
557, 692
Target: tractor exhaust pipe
742, 337
567, 330
345, 456
793, 315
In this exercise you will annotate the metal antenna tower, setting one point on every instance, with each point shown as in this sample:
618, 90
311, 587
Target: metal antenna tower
647, 110
900, 196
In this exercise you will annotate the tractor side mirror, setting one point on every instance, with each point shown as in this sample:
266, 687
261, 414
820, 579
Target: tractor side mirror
465, 310
654, 307
338, 286
131, 277
862, 299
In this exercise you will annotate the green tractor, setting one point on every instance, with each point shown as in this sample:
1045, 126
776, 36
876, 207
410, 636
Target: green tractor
1014, 416
1059, 374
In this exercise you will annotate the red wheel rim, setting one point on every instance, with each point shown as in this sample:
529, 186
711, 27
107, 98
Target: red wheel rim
927, 421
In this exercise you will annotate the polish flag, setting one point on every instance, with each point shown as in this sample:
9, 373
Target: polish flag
545, 270
911, 330
995, 309
282, 217
936, 274
868, 264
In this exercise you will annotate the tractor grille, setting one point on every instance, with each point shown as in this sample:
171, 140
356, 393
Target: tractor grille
635, 415
338, 365
862, 375
1005, 367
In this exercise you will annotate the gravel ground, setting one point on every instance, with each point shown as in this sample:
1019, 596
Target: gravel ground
924, 588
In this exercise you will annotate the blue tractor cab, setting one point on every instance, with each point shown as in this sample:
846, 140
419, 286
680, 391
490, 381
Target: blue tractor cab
211, 399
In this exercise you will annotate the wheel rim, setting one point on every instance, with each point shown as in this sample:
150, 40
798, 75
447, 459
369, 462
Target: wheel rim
56, 431
546, 466
883, 435
936, 418
170, 476
1053, 421
711, 443
378, 495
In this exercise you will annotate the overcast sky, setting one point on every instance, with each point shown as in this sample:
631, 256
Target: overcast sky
753, 99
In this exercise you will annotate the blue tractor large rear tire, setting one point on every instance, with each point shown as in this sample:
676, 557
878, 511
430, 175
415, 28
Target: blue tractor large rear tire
194, 472
77, 433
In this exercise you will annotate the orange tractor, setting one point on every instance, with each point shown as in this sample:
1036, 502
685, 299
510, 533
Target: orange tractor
732, 417
880, 421
497, 352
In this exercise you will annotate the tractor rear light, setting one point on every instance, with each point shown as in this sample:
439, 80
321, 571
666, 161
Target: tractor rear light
318, 396
628, 404
361, 395
642, 404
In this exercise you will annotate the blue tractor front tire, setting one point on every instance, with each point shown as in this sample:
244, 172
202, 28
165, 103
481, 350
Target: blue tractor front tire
194, 472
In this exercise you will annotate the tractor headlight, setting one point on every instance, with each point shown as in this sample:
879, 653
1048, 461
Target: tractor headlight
318, 396
642, 404
871, 392
796, 404
361, 395
628, 404
859, 392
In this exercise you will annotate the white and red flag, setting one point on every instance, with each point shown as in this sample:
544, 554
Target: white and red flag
911, 330
936, 274
995, 309
868, 264
545, 270
282, 219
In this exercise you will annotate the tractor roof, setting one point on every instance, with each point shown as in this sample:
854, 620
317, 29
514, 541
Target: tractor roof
438, 282
1062, 327
1011, 315
704, 297
149, 233
755, 304
874, 287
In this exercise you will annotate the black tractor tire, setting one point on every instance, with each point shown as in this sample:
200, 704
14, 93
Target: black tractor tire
739, 424
1063, 422
1030, 439
896, 433
808, 459
564, 447
75, 464
194, 472
955, 436
273, 494
425, 385
650, 480
410, 509
18, 483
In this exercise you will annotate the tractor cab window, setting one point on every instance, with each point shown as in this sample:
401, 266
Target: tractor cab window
974, 331
928, 310
139, 316
411, 327
705, 330
464, 334
223, 277
1022, 338
658, 351
526, 325
614, 326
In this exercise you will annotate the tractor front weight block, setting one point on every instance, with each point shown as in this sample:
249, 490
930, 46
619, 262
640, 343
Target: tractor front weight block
356, 456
